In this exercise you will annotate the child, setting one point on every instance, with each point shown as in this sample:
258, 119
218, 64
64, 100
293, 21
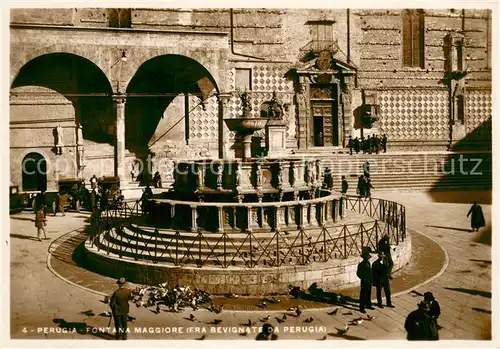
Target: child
41, 222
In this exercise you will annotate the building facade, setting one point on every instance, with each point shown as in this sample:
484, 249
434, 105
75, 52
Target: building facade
98, 91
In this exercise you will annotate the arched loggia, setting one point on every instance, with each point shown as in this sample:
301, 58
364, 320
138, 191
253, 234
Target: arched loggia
80, 81
153, 88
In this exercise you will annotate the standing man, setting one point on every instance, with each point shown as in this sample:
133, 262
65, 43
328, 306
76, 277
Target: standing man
361, 186
120, 308
384, 246
364, 273
477, 218
380, 271
384, 143
61, 202
417, 324
351, 145
356, 145
368, 187
93, 182
366, 169
343, 191
433, 311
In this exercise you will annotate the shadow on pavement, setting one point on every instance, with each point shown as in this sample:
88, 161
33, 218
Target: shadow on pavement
346, 336
469, 291
479, 310
82, 328
22, 218
449, 228
461, 197
23, 237
480, 260
485, 237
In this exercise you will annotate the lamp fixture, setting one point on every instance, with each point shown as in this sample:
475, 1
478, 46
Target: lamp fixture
124, 56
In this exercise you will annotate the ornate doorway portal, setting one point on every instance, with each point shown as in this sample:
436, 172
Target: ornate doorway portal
324, 113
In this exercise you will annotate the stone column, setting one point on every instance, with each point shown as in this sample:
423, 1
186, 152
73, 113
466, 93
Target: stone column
224, 112
119, 101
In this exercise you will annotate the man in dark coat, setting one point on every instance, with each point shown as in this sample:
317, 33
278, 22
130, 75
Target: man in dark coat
361, 186
351, 145
120, 308
380, 271
356, 145
343, 191
477, 218
417, 324
366, 169
385, 247
433, 311
267, 333
368, 187
384, 143
364, 273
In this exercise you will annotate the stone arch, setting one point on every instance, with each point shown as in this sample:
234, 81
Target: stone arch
26, 55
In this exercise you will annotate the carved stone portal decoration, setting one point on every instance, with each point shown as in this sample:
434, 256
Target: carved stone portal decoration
324, 60
59, 140
321, 92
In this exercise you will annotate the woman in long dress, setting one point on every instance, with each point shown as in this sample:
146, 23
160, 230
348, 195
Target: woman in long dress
477, 218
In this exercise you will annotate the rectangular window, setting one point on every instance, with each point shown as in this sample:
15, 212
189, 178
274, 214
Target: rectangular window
413, 38
321, 34
243, 79
119, 17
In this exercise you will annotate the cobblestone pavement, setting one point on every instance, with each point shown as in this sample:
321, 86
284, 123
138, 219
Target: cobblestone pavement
39, 299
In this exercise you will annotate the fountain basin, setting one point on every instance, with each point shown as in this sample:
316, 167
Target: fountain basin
245, 125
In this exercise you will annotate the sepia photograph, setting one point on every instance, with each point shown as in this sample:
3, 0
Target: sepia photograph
268, 173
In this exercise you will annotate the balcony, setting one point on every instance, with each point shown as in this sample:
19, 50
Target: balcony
314, 47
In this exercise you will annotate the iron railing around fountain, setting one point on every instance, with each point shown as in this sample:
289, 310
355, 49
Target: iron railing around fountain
274, 248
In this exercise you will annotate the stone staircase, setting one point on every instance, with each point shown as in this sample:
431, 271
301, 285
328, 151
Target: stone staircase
429, 171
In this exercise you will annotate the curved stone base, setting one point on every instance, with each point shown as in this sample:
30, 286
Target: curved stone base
334, 274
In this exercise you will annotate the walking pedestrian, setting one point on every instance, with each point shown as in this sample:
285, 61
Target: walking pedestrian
120, 307
361, 186
368, 187
381, 280
328, 179
41, 222
433, 311
385, 247
384, 143
267, 333
477, 218
364, 273
417, 324
351, 145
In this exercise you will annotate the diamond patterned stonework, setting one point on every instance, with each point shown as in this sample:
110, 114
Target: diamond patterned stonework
203, 123
478, 104
410, 114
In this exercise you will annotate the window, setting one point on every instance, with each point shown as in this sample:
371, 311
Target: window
243, 79
413, 38
321, 35
119, 18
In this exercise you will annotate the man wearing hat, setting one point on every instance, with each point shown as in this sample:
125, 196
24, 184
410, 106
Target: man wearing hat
364, 273
433, 311
385, 246
120, 308
417, 324
380, 270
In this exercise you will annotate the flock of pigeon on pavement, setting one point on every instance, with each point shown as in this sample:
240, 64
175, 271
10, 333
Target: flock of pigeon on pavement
178, 299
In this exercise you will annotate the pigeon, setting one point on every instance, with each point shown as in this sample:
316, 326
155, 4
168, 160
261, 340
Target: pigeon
251, 323
191, 317
342, 331
334, 311
309, 320
219, 309
105, 313
369, 317
88, 312
202, 338
284, 317
323, 338
298, 311
274, 300
291, 309
348, 313
244, 334
280, 320
263, 304
357, 321
130, 318
266, 319
217, 321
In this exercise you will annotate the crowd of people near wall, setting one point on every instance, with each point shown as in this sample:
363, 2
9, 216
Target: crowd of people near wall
373, 144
